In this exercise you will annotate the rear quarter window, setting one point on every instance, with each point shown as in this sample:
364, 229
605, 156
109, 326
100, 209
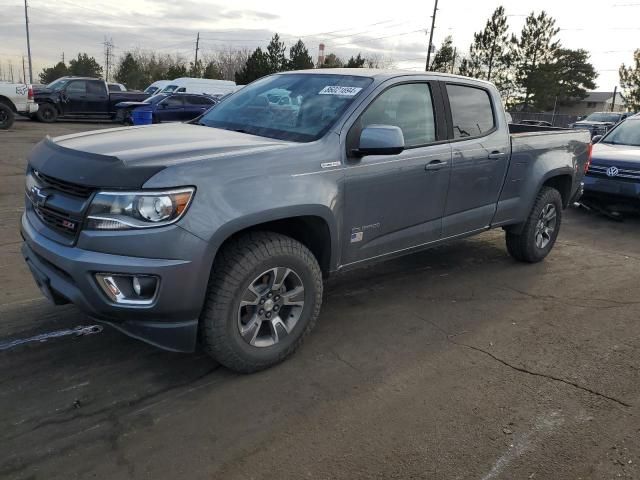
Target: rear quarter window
471, 111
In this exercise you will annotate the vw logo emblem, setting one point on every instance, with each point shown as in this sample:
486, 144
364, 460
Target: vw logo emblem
612, 171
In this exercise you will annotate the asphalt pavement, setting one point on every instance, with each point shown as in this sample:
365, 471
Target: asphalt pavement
454, 363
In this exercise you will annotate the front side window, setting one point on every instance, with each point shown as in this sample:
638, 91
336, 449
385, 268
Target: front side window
471, 111
254, 109
408, 106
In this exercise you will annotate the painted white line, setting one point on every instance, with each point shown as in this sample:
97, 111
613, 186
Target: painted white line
528, 441
43, 337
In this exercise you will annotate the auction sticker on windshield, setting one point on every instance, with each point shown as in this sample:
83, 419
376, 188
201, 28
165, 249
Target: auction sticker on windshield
336, 90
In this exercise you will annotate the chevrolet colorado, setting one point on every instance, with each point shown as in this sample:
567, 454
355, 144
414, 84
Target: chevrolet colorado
224, 228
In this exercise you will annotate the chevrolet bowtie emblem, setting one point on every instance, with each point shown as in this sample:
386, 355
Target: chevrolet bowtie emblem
38, 196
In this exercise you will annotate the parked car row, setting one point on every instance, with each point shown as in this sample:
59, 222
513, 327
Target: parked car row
166, 107
599, 123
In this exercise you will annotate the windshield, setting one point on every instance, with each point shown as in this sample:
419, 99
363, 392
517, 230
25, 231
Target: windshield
58, 84
320, 100
627, 133
603, 117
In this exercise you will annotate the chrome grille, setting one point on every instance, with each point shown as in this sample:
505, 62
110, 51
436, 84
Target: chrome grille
601, 170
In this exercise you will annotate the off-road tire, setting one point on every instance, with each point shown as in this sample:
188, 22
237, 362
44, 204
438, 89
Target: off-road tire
7, 116
47, 113
235, 267
522, 246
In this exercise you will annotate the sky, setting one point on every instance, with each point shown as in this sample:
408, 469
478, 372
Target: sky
394, 30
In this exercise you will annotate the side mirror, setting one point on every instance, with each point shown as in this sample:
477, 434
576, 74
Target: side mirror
596, 138
380, 140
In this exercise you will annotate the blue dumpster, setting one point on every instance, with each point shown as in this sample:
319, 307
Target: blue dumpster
142, 117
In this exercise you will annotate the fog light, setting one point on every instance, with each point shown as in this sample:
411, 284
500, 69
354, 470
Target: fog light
144, 286
128, 289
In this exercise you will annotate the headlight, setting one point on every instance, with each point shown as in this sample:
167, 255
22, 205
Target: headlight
126, 210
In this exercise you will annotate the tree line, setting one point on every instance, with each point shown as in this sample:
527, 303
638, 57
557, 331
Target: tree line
531, 69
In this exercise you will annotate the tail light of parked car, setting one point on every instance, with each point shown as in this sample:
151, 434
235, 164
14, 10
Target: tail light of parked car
30, 93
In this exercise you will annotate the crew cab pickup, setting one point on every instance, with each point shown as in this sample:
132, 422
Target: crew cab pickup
224, 228
80, 98
15, 98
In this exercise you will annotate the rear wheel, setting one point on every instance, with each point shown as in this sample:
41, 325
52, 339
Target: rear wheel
47, 113
7, 117
264, 297
541, 229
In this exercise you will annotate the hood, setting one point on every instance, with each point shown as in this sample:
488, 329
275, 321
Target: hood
128, 157
167, 144
621, 156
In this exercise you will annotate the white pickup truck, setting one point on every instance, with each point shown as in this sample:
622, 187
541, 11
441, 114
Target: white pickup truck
15, 98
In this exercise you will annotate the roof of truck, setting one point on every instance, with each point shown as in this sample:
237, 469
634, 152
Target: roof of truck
379, 73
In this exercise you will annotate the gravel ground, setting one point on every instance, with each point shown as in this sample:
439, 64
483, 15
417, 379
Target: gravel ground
454, 363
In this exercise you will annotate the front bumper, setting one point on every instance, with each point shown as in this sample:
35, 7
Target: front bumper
67, 274
610, 187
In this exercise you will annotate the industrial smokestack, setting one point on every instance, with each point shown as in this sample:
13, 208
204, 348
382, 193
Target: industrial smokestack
321, 54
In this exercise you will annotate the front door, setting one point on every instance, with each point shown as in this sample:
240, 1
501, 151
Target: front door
480, 150
395, 202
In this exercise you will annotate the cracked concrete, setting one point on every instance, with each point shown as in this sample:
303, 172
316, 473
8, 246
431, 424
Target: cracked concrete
455, 363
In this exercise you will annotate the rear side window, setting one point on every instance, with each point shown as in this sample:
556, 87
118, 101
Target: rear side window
471, 111
175, 101
95, 88
198, 101
407, 106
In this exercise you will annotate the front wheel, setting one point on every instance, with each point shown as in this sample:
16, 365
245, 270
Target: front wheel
263, 298
47, 113
540, 230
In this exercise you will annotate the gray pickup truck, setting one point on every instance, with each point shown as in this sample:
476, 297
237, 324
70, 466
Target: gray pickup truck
224, 228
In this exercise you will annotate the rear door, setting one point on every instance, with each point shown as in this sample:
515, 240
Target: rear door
97, 98
171, 109
195, 105
480, 157
395, 202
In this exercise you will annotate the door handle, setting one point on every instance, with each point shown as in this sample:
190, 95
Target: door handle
435, 165
496, 155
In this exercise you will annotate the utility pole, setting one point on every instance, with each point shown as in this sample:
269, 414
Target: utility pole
615, 93
11, 70
24, 72
62, 57
108, 54
195, 64
433, 25
26, 22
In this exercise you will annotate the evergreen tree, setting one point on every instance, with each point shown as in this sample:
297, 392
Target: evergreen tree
275, 55
443, 59
565, 79
196, 69
356, 62
212, 71
130, 72
536, 46
50, 74
85, 66
332, 61
176, 70
630, 82
299, 58
258, 65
